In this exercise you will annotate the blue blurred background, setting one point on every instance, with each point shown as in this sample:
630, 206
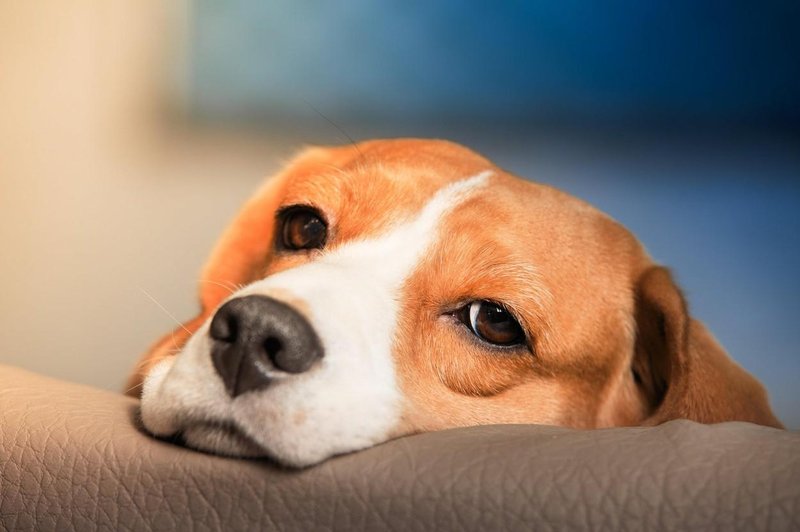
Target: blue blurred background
625, 62
679, 118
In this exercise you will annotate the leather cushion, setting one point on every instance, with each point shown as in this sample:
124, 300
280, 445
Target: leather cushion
73, 458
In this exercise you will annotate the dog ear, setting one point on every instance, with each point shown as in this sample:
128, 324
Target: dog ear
680, 368
238, 258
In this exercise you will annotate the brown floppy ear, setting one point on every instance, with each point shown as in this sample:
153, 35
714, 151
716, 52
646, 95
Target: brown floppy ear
681, 370
238, 258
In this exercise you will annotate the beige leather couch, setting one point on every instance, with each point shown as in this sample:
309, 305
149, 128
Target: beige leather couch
72, 458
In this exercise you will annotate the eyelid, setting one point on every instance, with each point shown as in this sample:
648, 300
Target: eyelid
285, 210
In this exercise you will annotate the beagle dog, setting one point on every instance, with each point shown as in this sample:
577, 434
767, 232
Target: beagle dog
399, 286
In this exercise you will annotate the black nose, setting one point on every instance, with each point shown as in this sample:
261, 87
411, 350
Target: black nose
254, 335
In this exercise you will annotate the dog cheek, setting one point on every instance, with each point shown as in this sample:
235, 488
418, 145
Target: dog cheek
183, 390
477, 374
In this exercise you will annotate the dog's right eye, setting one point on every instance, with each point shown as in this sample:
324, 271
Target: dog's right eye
303, 228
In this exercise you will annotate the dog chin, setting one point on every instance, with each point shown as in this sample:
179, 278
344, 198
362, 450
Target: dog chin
227, 440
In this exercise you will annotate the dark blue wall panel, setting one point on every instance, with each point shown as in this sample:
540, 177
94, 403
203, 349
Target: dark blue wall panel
702, 60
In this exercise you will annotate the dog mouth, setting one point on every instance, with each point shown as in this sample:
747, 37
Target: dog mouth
220, 438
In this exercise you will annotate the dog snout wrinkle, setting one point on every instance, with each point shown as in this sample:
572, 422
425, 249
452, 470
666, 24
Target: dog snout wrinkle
255, 335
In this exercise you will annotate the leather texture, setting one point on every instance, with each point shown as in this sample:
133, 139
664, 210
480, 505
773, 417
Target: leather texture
73, 459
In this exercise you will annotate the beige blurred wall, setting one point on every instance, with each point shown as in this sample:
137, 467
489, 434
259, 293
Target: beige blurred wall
103, 196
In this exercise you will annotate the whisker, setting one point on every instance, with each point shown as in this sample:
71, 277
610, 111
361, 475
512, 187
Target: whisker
333, 167
145, 292
152, 362
129, 390
145, 362
171, 352
175, 346
331, 122
227, 285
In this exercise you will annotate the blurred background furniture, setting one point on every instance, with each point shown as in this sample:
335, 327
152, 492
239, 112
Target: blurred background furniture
74, 460
131, 131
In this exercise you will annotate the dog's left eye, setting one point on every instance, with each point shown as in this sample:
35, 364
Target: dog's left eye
492, 323
303, 228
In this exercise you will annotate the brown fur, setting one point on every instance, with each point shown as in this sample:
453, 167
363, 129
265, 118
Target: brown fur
613, 343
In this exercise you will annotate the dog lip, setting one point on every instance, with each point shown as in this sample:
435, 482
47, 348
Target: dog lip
221, 438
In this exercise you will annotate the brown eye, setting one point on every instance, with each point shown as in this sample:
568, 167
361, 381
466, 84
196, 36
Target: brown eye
303, 228
492, 323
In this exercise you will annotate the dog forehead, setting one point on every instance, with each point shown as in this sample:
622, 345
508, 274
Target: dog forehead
365, 189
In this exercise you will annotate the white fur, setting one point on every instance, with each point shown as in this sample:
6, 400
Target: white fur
349, 399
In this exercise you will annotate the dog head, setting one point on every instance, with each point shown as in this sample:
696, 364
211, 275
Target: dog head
398, 286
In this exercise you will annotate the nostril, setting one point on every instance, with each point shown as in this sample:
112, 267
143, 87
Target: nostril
273, 346
254, 335
223, 327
